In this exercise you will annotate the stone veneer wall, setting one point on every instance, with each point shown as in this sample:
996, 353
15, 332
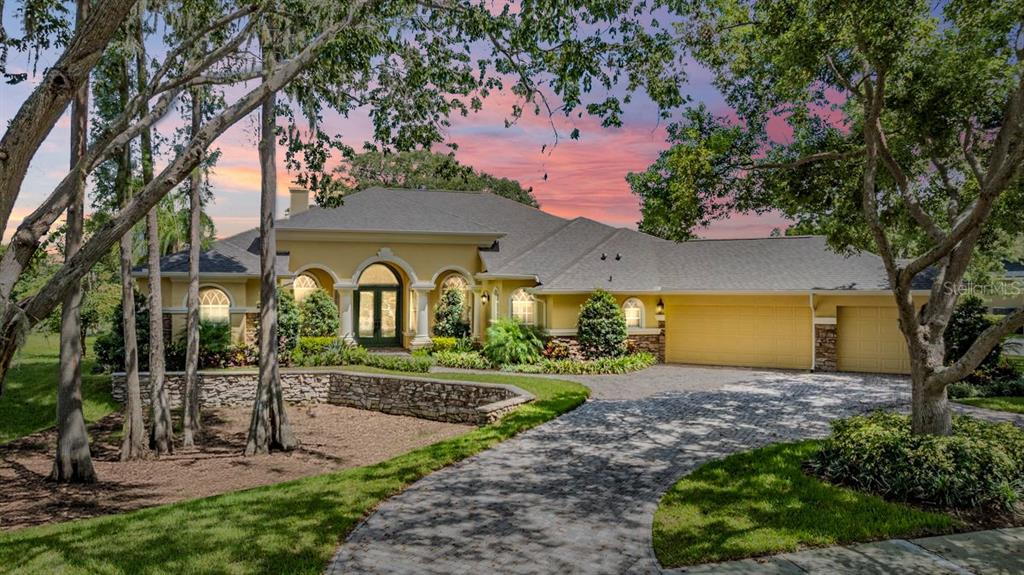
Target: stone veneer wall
653, 343
440, 400
826, 358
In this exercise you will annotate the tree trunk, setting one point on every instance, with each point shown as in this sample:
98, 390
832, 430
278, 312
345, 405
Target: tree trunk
191, 419
133, 441
269, 427
133, 434
161, 431
931, 413
73, 462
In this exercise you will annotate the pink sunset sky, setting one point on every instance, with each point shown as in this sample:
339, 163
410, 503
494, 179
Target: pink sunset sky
585, 177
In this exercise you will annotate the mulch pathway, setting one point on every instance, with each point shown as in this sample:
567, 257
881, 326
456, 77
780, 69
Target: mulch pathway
331, 438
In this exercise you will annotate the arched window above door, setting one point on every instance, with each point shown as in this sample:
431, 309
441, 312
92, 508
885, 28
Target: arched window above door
378, 275
304, 285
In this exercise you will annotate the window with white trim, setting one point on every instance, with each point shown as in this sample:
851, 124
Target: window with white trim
633, 309
458, 283
304, 285
523, 307
214, 305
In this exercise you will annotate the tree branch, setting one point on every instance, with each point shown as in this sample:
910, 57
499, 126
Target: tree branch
980, 349
818, 157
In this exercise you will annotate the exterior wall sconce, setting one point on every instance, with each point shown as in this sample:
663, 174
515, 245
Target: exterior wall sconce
660, 307
484, 298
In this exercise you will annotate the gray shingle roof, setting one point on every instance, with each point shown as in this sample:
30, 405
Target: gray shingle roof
566, 255
238, 254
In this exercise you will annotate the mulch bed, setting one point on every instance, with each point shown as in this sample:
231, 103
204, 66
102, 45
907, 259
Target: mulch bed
331, 438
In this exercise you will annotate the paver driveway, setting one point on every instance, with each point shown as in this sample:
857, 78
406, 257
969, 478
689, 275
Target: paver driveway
578, 494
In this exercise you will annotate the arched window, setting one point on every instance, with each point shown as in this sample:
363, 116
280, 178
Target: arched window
523, 307
214, 305
304, 285
633, 309
378, 275
458, 283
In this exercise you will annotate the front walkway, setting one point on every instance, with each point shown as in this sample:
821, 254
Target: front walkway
996, 551
578, 494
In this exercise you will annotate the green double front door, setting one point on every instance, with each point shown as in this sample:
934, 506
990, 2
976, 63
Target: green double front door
379, 313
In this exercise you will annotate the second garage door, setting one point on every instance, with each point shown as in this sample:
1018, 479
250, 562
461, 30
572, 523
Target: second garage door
869, 340
748, 336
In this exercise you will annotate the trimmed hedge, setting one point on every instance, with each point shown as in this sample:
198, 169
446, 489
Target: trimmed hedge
980, 466
462, 359
601, 327
338, 353
605, 365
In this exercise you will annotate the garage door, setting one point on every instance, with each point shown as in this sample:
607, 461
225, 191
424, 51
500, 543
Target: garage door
749, 336
869, 340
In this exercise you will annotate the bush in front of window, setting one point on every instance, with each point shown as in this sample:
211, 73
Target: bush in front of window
109, 346
287, 324
601, 327
510, 342
448, 315
318, 315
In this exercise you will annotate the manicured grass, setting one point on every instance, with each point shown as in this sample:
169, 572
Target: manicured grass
290, 527
29, 400
1011, 404
760, 502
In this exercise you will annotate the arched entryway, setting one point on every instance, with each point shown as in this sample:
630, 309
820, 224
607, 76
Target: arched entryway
378, 304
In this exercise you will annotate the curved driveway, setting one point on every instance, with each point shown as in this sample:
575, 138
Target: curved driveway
578, 494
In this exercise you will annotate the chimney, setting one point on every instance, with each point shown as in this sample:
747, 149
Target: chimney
300, 201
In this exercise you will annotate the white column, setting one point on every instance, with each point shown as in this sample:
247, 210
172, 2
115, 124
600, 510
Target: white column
345, 330
476, 330
422, 337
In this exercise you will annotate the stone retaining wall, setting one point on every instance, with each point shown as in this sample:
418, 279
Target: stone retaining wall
424, 397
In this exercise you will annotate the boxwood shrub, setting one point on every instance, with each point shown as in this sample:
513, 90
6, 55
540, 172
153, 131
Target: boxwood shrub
605, 365
980, 466
461, 359
338, 353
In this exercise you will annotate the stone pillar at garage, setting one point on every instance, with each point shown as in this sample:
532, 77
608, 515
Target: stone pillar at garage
826, 356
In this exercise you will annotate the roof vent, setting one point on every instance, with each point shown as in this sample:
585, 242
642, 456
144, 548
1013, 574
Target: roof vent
618, 257
604, 256
609, 278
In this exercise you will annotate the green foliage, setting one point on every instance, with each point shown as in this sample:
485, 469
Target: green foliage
563, 348
441, 343
216, 350
980, 466
424, 169
601, 327
314, 345
1012, 404
448, 314
604, 365
510, 342
224, 530
968, 321
318, 315
315, 353
288, 320
109, 346
761, 502
462, 359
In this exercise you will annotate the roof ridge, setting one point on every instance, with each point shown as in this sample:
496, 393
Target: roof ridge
607, 238
528, 248
434, 207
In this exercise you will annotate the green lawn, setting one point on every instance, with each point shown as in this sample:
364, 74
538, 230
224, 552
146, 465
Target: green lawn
760, 502
29, 400
290, 527
1011, 404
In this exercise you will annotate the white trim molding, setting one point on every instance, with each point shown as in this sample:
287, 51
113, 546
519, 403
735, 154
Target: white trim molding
824, 320
571, 331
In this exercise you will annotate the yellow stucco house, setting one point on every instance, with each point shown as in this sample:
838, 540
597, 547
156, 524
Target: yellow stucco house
387, 254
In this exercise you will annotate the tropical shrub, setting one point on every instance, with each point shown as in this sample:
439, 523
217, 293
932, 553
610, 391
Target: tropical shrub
287, 324
443, 343
510, 342
462, 359
605, 365
448, 314
109, 346
601, 327
968, 321
563, 348
980, 466
318, 315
